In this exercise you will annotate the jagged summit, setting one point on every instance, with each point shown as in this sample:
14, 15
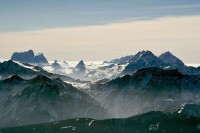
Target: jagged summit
143, 59
130, 58
147, 55
29, 57
80, 66
79, 71
39, 58
171, 60
56, 65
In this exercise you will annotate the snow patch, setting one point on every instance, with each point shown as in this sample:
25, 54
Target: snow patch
154, 126
28, 67
72, 127
90, 123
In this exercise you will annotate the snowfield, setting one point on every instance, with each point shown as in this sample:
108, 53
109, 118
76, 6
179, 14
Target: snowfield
95, 70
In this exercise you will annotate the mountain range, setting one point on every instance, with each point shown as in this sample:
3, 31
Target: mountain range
167, 60
42, 99
136, 93
147, 89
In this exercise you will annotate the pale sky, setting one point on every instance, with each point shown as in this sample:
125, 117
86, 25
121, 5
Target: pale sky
180, 35
100, 32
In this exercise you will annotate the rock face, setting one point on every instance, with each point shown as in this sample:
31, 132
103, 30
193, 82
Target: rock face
171, 60
42, 99
26, 57
29, 57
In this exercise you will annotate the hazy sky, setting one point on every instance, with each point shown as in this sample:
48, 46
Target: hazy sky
100, 29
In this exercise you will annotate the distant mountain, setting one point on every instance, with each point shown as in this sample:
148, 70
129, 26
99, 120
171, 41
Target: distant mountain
56, 65
79, 71
171, 60
29, 57
39, 58
80, 66
42, 99
151, 122
27, 71
143, 59
65, 64
122, 60
145, 90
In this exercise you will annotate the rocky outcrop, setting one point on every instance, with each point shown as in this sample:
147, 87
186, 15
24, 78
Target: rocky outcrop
29, 57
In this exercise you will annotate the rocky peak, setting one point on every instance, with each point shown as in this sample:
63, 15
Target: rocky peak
56, 65
29, 57
80, 66
171, 60
143, 59
147, 54
144, 55
39, 58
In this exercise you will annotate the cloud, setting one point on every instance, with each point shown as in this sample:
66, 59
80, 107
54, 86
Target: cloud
103, 42
176, 7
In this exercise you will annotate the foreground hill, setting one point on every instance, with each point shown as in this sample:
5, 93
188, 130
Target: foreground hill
152, 122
